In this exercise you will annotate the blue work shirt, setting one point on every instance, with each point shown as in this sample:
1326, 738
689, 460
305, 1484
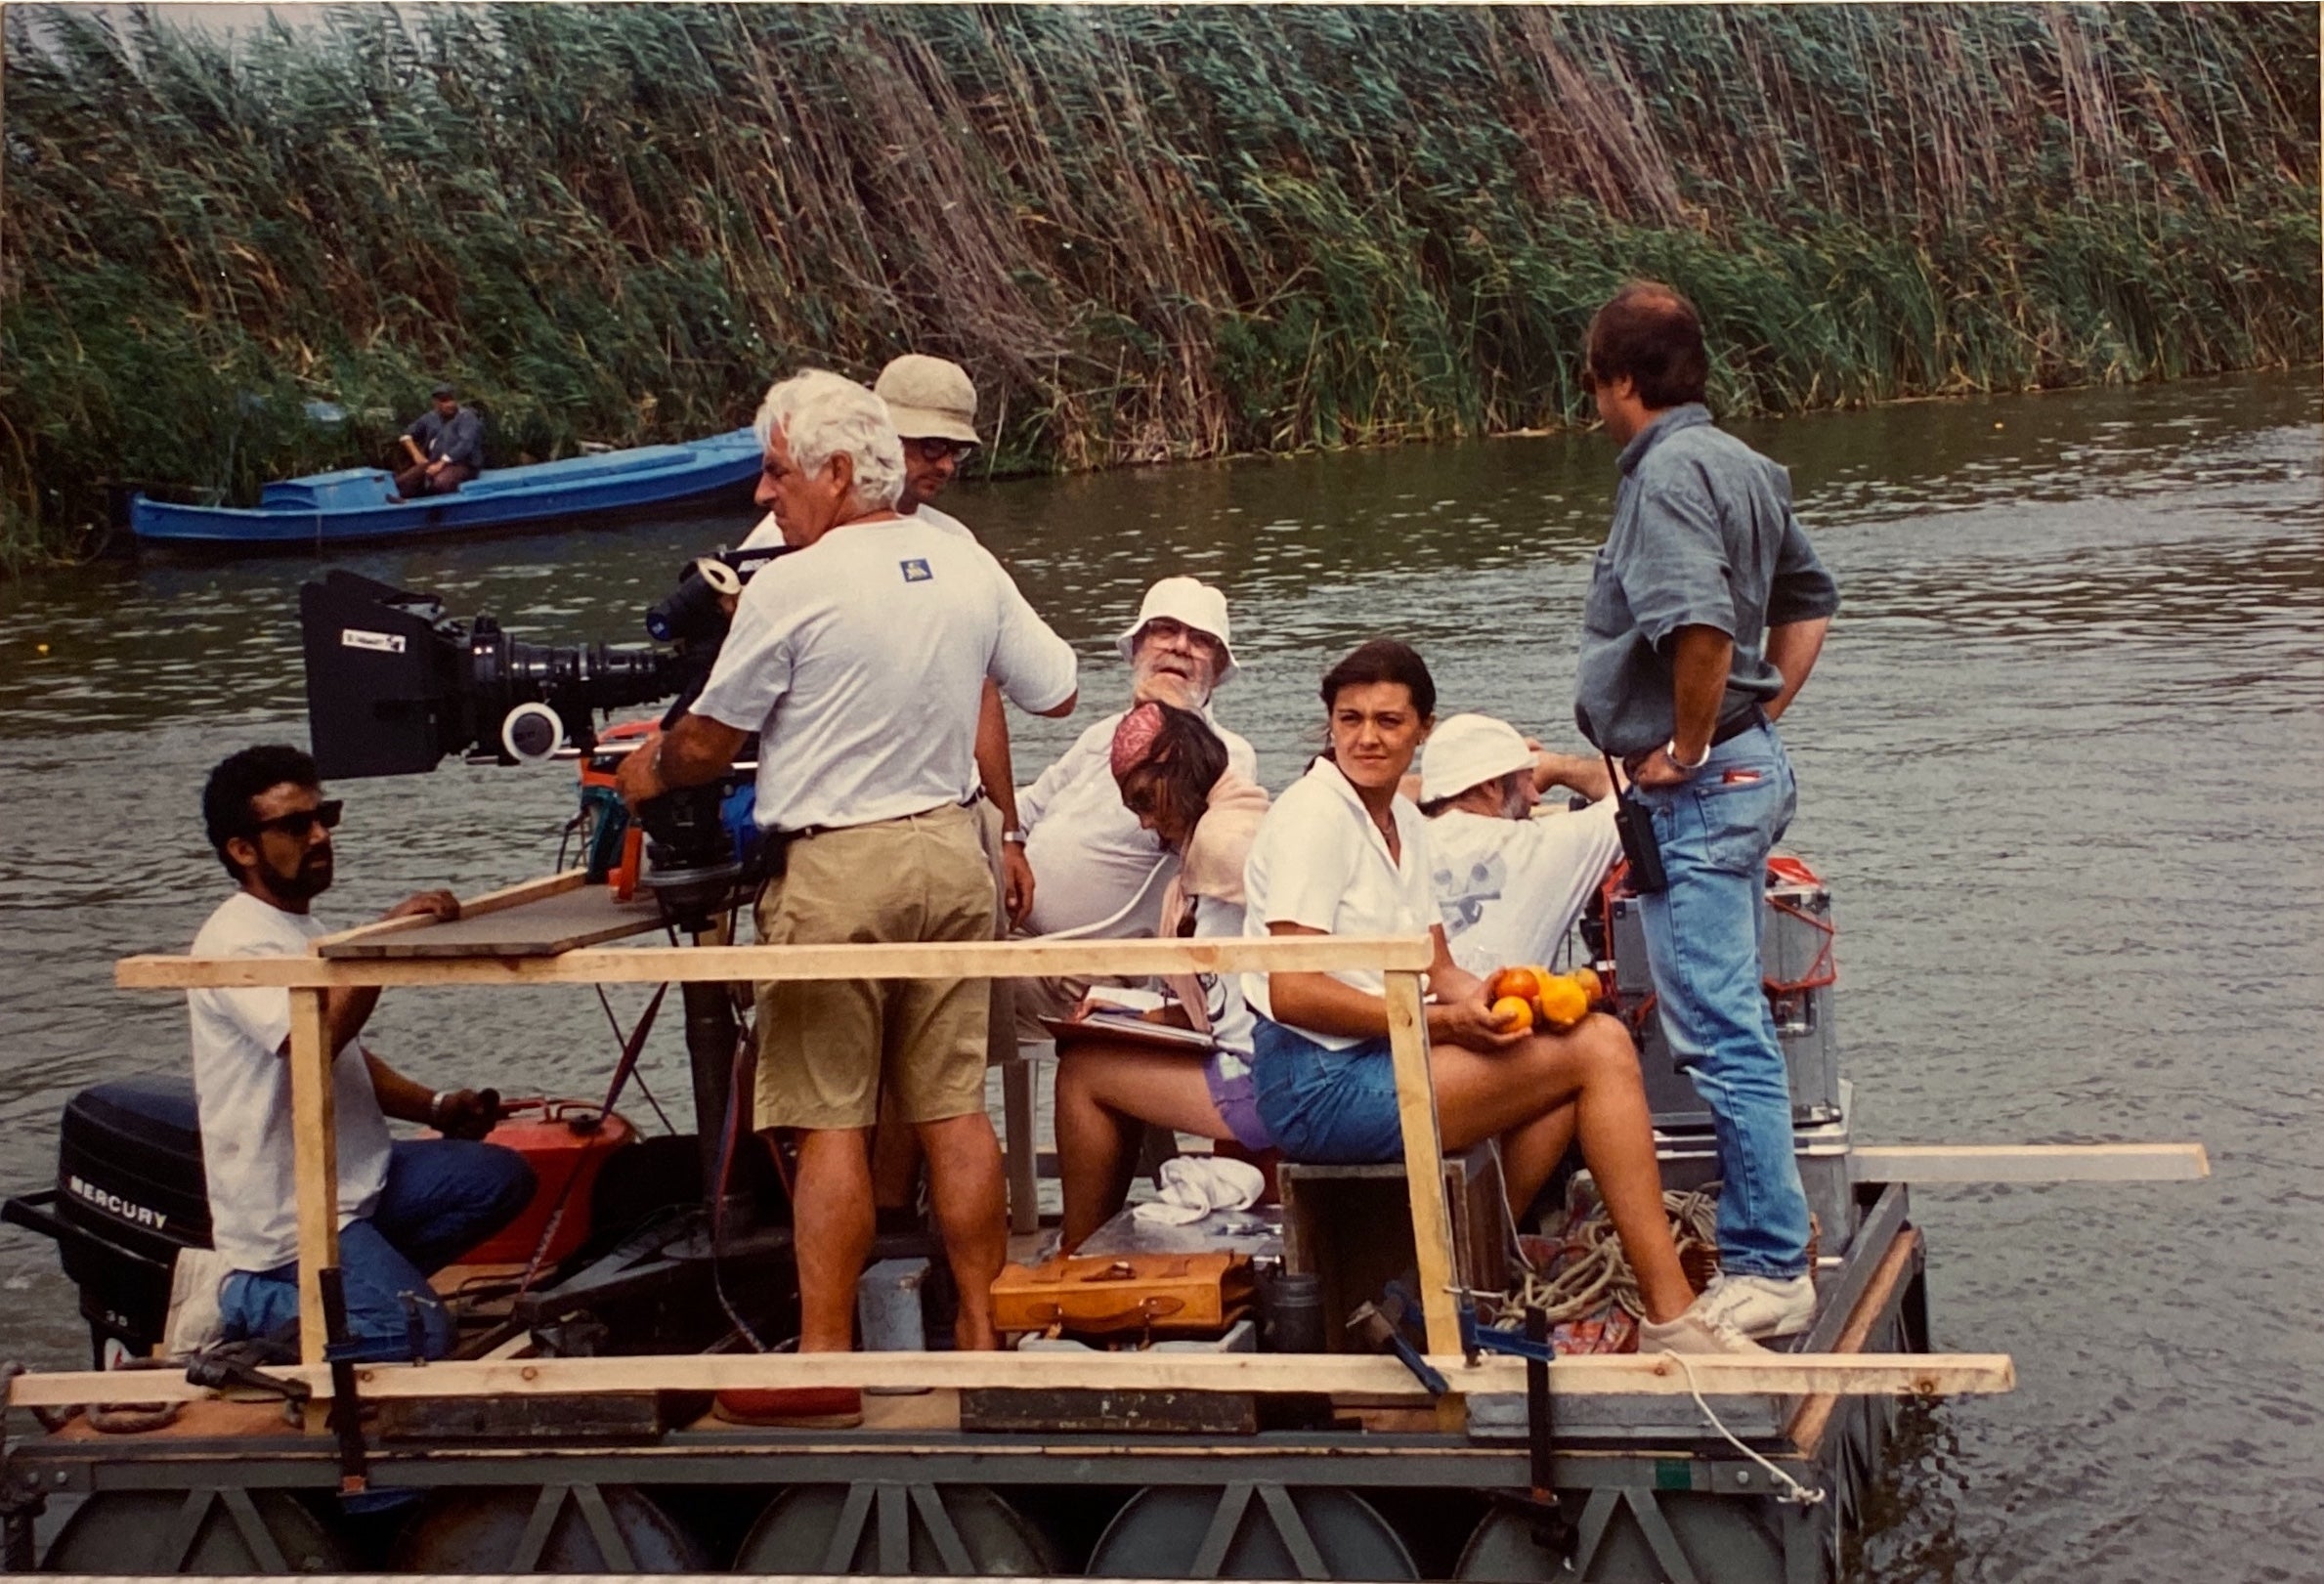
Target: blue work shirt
1704, 535
457, 439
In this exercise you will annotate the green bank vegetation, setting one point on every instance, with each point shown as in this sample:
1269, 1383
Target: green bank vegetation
1153, 234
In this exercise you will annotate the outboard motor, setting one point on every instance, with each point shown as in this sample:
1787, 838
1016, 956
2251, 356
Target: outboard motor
129, 1195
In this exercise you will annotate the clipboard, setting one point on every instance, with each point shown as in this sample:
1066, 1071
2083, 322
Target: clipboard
1118, 1029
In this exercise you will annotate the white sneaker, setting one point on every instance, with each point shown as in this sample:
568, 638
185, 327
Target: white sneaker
1693, 1331
1761, 1306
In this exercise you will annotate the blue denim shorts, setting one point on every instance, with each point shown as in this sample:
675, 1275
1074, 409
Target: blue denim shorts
1332, 1107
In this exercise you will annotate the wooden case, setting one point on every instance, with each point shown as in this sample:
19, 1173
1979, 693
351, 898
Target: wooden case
1143, 1292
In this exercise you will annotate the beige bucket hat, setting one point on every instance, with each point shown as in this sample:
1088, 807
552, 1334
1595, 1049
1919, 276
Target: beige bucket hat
929, 398
1191, 603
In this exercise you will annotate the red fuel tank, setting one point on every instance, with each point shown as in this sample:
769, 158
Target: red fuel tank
565, 1142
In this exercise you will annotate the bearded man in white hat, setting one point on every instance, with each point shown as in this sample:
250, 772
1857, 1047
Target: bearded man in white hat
1508, 883
1097, 872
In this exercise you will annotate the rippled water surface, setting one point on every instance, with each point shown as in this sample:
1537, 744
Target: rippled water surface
2060, 766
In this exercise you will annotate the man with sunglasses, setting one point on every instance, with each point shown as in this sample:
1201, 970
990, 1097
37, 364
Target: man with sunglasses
407, 1208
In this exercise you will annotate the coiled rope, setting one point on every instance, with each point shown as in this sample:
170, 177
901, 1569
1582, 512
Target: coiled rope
1589, 1268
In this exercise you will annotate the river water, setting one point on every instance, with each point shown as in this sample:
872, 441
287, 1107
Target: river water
2059, 767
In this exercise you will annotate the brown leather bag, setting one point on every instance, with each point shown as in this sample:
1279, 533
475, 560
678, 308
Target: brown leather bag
1139, 1292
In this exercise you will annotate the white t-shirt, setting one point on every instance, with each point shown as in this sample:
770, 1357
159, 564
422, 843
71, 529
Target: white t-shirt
1222, 993
767, 533
241, 1083
861, 660
1509, 890
1320, 861
1089, 856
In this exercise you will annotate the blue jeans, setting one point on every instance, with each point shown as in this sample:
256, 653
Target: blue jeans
441, 1198
1325, 1106
1716, 829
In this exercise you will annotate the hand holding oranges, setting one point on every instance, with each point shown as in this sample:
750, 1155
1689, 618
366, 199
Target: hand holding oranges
1526, 996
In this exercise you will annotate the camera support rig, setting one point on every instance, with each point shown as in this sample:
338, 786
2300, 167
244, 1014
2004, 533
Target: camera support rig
393, 686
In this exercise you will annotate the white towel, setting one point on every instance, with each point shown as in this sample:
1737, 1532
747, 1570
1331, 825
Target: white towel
1195, 1185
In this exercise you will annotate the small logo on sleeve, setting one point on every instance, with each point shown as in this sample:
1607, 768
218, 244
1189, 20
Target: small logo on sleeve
915, 571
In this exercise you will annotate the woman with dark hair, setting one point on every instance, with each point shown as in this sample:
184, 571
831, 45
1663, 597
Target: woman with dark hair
1173, 772
1344, 853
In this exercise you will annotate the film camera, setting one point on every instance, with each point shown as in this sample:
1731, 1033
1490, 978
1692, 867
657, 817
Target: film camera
395, 686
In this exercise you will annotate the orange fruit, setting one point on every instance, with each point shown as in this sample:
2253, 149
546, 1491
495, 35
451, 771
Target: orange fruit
1521, 982
1562, 1003
1591, 985
1514, 1013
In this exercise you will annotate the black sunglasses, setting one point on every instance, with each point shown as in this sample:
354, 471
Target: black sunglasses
935, 447
301, 824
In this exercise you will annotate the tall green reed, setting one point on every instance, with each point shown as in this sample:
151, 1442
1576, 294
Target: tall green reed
1151, 232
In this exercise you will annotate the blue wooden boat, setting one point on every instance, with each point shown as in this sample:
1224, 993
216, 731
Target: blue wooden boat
351, 505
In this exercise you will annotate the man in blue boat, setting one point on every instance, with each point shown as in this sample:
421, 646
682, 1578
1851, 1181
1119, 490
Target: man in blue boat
407, 1208
445, 448
859, 668
1705, 615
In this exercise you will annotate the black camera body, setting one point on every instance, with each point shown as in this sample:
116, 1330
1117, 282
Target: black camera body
395, 686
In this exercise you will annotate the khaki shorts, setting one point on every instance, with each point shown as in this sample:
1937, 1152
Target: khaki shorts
827, 1048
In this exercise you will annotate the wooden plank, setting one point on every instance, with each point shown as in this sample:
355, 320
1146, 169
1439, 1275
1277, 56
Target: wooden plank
677, 964
315, 1162
1376, 1377
509, 896
2027, 1163
1807, 1425
1423, 1160
543, 927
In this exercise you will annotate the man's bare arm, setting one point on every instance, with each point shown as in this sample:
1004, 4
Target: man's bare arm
1791, 649
695, 749
1585, 776
995, 771
1701, 657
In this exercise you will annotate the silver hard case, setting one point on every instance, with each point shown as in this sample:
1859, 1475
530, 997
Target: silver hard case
1794, 949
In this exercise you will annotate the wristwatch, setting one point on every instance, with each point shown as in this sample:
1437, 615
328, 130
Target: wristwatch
1671, 752
1015, 835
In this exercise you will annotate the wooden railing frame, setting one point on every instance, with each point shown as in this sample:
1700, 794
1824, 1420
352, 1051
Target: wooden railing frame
1401, 960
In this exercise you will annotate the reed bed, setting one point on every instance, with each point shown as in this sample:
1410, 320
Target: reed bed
1153, 234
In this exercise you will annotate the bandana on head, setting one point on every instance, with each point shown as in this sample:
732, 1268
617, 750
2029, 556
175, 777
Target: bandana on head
1133, 738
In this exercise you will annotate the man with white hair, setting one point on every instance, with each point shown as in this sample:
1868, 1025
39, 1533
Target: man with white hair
859, 665
1508, 885
932, 402
1098, 872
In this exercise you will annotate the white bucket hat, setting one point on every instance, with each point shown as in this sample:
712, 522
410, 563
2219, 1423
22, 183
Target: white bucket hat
929, 398
1191, 603
1469, 750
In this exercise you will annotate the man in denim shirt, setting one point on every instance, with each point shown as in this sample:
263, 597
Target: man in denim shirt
1705, 614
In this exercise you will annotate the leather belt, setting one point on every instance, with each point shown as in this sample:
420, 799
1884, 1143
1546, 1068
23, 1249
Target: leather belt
1751, 719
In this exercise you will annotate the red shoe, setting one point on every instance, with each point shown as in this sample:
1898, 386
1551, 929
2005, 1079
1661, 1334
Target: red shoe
793, 1407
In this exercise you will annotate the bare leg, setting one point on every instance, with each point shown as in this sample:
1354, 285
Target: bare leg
964, 1185
1097, 1152
895, 1158
1104, 1095
1595, 1066
831, 1226
1530, 1151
